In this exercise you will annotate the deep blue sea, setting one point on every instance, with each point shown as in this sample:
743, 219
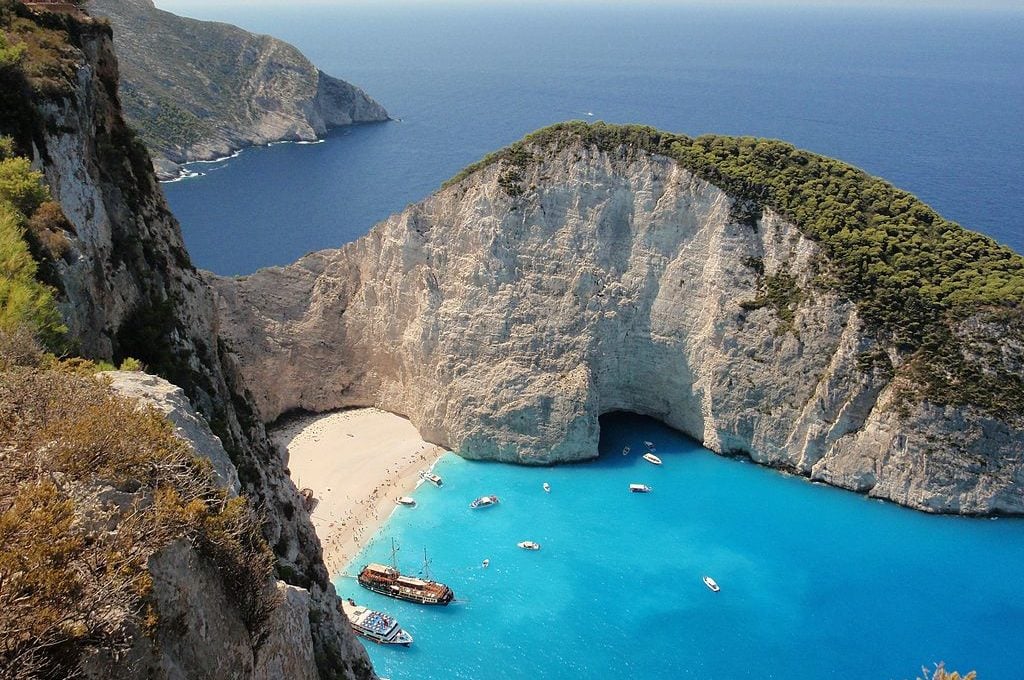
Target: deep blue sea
931, 100
816, 582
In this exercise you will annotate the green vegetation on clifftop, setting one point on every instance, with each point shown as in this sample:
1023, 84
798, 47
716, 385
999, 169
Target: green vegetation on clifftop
915, 277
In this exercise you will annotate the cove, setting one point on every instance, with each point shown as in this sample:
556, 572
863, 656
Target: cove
816, 582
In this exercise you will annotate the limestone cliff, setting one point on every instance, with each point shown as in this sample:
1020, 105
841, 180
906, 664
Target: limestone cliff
128, 288
506, 313
198, 90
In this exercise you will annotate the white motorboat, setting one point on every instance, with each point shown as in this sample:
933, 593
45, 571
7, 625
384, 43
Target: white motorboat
651, 458
484, 502
639, 488
528, 545
547, 488
374, 625
431, 477
710, 583
625, 450
407, 501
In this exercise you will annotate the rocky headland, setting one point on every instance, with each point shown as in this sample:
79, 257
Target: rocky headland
200, 90
592, 269
125, 286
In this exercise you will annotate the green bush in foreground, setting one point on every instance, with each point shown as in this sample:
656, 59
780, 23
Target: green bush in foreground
24, 300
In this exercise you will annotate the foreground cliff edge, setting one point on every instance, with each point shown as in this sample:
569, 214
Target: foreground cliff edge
200, 90
126, 555
766, 301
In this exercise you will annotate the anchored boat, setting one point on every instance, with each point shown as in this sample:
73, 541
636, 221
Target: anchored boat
639, 488
407, 501
389, 581
432, 478
484, 502
651, 458
710, 583
528, 545
374, 625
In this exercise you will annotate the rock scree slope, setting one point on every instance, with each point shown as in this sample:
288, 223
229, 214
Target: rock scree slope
590, 269
199, 90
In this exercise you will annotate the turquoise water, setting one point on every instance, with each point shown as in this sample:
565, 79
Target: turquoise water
816, 582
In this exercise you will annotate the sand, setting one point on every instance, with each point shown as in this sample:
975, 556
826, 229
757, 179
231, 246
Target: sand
357, 462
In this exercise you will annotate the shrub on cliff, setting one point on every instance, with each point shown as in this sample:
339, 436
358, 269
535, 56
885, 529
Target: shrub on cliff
91, 486
24, 300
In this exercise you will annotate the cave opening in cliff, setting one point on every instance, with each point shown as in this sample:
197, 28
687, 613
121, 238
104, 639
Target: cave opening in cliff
626, 434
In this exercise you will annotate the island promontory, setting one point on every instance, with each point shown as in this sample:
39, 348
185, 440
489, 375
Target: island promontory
767, 301
199, 90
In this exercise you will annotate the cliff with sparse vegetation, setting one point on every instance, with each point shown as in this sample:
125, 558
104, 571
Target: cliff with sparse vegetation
198, 90
767, 301
136, 547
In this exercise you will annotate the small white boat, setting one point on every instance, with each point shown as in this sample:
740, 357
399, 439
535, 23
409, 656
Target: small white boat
649, 445
710, 583
484, 502
651, 458
431, 477
625, 450
407, 501
486, 563
639, 488
528, 545
547, 488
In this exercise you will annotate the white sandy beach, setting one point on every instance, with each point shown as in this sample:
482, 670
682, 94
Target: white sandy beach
357, 462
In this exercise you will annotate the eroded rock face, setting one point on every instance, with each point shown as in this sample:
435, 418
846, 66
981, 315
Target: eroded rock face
200, 631
199, 90
127, 287
504, 325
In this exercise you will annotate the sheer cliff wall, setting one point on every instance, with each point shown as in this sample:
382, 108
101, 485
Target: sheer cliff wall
506, 313
127, 288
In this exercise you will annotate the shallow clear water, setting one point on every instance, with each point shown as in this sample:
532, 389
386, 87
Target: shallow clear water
816, 582
932, 100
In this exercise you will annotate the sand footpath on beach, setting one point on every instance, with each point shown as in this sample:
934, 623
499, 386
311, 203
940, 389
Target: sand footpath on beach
357, 462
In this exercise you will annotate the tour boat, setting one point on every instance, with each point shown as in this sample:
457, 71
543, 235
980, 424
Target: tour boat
651, 458
389, 581
407, 501
484, 502
374, 625
639, 488
710, 583
432, 478
547, 488
528, 545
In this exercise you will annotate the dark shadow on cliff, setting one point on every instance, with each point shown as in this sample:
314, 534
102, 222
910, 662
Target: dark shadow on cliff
625, 428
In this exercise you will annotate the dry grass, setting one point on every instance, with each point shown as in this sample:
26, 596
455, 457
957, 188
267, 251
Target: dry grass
73, 571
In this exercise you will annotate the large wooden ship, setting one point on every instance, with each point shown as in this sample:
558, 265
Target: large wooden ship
389, 581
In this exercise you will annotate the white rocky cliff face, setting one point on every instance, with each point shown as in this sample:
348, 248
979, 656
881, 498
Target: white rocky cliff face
504, 325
